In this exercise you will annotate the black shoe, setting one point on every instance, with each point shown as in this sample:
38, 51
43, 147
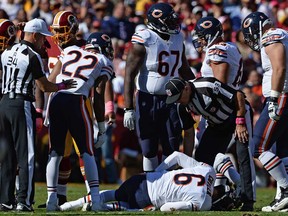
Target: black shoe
6, 207
282, 203
61, 199
247, 206
24, 208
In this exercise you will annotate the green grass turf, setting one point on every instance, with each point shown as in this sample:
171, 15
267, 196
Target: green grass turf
75, 191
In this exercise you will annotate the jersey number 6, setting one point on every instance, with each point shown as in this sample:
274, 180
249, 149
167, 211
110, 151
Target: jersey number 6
186, 178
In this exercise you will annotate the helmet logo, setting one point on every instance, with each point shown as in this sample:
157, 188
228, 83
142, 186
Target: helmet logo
206, 24
247, 23
105, 37
157, 13
168, 92
71, 19
11, 31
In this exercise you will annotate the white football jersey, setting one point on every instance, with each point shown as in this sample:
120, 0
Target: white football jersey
162, 60
272, 36
84, 67
224, 52
192, 185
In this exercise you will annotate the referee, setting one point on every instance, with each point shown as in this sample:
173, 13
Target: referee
22, 68
227, 114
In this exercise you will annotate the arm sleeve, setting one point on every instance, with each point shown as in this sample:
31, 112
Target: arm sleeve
178, 206
177, 158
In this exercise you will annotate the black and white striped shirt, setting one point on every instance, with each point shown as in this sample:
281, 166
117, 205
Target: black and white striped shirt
21, 65
212, 99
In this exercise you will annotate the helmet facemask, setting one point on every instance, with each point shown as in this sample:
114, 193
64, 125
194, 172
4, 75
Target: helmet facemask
206, 32
170, 25
198, 42
163, 19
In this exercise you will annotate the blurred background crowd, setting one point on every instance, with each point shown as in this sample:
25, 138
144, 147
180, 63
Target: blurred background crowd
120, 157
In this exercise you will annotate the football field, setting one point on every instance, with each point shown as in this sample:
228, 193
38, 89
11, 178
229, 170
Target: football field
75, 191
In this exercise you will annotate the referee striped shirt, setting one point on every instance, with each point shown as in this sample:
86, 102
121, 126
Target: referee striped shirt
21, 65
212, 99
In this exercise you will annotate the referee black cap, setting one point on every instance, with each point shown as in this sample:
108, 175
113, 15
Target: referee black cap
174, 89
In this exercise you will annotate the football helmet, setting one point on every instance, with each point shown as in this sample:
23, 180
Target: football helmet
206, 31
222, 199
64, 27
102, 43
252, 29
162, 18
7, 34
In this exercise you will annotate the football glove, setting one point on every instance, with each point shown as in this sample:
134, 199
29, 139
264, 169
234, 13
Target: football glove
273, 109
129, 119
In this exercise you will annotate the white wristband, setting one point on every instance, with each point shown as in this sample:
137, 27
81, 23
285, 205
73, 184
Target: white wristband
101, 127
274, 94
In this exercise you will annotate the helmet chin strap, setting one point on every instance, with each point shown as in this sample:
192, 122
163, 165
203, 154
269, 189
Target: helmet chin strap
260, 34
214, 38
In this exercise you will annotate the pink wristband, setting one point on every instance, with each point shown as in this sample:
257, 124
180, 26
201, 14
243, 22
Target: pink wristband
38, 110
61, 86
240, 121
109, 107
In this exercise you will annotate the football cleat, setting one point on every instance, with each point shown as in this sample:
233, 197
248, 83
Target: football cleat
282, 203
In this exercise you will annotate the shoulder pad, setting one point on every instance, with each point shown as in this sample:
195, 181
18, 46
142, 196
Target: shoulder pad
272, 36
143, 36
218, 51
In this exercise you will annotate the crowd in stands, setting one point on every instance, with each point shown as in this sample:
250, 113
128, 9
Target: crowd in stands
119, 19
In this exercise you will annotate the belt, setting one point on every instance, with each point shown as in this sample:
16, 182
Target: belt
12, 95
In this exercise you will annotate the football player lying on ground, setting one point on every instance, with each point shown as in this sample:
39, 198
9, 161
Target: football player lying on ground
189, 188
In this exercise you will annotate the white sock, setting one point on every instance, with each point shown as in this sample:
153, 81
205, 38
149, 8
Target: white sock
275, 167
149, 164
220, 180
52, 172
76, 204
92, 176
224, 165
